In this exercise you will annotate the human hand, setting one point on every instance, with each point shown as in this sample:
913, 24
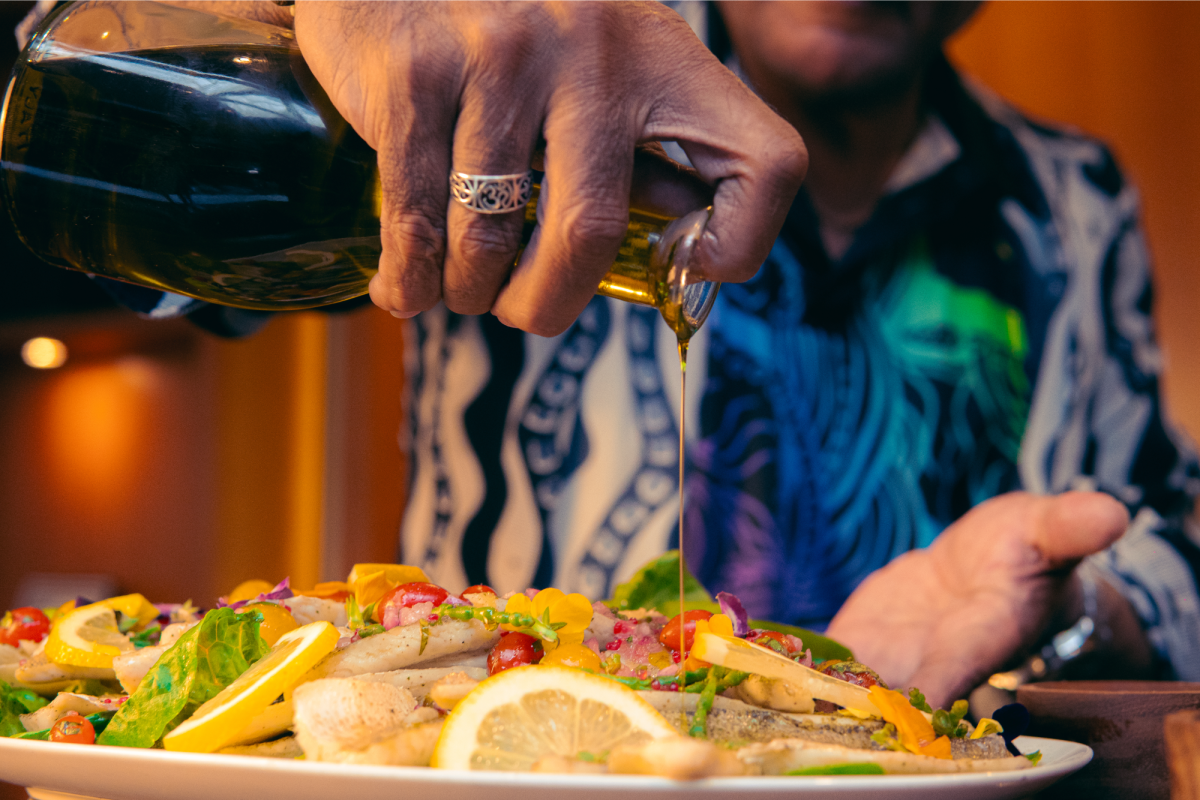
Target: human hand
943, 618
478, 86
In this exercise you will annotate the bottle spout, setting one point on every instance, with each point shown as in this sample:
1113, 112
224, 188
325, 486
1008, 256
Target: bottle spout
685, 299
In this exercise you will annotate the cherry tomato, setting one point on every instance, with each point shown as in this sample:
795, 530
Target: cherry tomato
407, 595
479, 588
574, 655
669, 635
27, 623
513, 650
74, 729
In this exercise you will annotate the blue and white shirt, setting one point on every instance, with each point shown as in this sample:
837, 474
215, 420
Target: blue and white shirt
988, 330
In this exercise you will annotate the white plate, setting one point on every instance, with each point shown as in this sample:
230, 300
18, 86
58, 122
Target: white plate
67, 772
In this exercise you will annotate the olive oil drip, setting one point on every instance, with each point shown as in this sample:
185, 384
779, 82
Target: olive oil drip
683, 348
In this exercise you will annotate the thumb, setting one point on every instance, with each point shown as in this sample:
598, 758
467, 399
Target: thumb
1076, 524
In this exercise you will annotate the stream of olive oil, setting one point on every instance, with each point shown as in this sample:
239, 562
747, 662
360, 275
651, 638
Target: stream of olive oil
683, 349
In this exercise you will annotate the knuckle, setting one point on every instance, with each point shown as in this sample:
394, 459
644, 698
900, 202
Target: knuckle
587, 226
487, 243
790, 157
418, 237
536, 320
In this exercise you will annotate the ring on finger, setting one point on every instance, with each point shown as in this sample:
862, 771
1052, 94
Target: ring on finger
492, 194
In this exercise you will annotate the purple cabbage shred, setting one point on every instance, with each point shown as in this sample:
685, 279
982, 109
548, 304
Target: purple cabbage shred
732, 608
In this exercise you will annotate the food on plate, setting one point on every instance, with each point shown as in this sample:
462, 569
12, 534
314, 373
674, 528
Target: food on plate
364, 722
515, 719
387, 668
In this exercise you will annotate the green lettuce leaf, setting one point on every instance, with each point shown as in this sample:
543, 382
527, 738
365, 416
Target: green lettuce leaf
656, 586
204, 661
13, 703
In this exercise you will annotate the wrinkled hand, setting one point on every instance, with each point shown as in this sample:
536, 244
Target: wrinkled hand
477, 86
943, 618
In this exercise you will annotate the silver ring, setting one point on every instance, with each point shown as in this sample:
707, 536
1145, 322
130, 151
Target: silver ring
492, 194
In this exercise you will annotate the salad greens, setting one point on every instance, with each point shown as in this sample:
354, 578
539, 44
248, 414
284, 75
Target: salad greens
13, 703
945, 723
204, 661
656, 585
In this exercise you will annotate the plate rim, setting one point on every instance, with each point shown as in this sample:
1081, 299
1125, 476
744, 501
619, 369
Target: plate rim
1077, 756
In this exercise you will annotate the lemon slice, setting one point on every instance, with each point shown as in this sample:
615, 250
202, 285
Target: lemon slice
514, 718
88, 636
222, 719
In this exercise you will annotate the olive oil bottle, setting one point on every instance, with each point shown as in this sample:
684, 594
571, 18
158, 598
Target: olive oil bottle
194, 153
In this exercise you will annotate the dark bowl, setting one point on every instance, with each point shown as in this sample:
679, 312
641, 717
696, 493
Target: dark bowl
1122, 721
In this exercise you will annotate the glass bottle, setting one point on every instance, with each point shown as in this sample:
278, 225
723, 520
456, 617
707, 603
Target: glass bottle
195, 153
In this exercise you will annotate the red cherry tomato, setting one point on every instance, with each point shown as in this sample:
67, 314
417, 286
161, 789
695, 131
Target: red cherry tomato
74, 729
478, 588
27, 623
669, 636
513, 650
407, 595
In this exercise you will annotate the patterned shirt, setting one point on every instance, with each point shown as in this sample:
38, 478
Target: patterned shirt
988, 330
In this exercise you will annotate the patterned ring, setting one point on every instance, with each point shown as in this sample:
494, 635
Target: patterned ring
492, 194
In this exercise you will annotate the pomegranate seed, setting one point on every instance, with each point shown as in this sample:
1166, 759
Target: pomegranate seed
615, 644
675, 656
621, 626
433, 617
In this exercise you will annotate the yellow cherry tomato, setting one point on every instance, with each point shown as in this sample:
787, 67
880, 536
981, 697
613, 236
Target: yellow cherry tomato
573, 655
277, 621
248, 590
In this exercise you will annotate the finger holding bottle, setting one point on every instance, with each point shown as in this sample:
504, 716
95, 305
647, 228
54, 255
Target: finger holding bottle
470, 88
498, 128
639, 74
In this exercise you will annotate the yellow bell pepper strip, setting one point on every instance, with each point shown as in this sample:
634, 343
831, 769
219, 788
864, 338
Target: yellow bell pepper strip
327, 590
568, 615
986, 727
718, 624
369, 582
912, 728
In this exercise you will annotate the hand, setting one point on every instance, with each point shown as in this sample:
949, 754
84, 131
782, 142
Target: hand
943, 618
478, 86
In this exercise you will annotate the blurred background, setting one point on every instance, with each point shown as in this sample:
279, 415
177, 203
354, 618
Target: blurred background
160, 459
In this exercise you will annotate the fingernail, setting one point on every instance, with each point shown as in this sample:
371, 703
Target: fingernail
404, 314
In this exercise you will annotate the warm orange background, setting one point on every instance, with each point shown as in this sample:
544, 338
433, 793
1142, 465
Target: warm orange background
1130, 74
181, 464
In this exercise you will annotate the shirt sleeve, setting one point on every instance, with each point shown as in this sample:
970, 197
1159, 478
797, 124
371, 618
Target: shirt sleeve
1135, 453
